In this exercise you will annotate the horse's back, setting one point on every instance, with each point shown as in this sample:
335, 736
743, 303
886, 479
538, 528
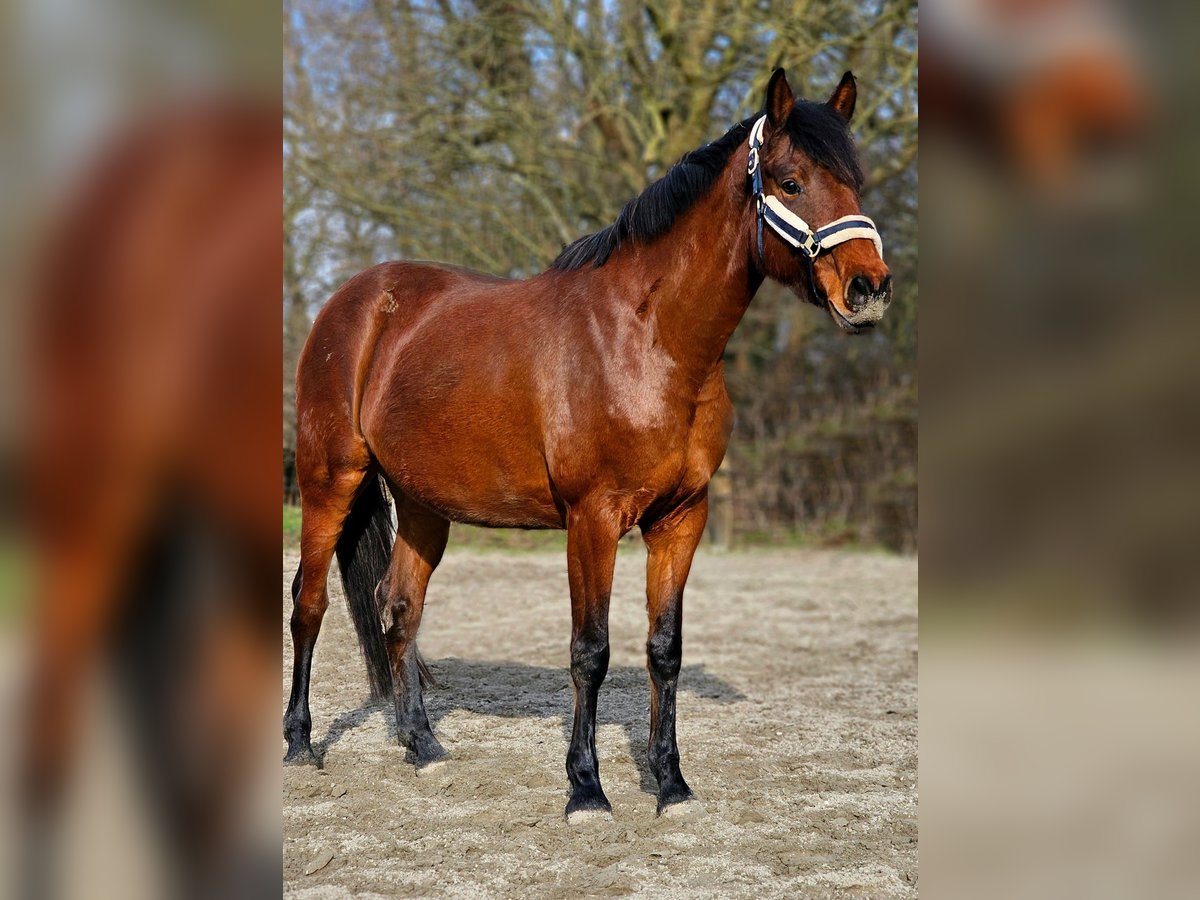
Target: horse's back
399, 287
382, 299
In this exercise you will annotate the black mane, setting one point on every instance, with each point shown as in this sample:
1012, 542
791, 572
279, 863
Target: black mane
814, 128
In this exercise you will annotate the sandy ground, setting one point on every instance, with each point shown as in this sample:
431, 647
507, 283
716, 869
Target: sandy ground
797, 730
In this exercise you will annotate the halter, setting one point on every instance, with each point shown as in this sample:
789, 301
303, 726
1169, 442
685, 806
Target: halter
793, 229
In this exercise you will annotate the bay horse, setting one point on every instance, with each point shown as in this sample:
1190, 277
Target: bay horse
590, 397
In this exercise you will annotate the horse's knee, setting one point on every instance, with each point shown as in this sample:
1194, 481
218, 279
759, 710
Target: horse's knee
589, 660
664, 650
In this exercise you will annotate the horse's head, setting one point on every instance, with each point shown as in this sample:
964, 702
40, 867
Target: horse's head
813, 236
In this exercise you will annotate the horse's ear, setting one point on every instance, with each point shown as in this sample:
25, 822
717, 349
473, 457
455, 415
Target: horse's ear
843, 96
780, 99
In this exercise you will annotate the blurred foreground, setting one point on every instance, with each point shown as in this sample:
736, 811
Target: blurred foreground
142, 234
1059, 429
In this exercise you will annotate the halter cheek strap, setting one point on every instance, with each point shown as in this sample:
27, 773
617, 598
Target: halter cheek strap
789, 226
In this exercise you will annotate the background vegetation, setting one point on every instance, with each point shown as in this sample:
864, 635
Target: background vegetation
489, 133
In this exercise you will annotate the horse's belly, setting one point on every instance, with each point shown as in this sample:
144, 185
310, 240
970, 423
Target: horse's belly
475, 478
495, 503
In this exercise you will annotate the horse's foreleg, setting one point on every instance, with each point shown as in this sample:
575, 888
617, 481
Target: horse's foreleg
672, 541
591, 554
420, 540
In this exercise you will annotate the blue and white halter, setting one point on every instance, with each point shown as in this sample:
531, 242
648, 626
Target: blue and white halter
793, 229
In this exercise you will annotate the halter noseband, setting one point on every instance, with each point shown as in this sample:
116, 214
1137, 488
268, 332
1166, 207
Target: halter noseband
793, 229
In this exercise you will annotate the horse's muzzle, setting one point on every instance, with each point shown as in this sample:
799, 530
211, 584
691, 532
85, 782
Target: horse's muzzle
867, 299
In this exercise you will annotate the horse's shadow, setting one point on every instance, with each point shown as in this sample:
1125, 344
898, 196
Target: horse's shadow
516, 691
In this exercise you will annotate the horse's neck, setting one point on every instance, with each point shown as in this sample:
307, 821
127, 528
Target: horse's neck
700, 276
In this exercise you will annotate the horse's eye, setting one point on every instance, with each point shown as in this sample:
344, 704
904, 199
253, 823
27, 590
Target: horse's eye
791, 187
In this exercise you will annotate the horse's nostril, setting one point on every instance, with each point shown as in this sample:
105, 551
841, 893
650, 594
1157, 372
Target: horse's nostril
858, 293
885, 288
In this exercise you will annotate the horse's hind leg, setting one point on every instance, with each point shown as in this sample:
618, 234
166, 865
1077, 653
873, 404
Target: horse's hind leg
325, 509
672, 542
420, 540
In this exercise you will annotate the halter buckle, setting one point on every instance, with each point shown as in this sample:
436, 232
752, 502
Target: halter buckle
752, 161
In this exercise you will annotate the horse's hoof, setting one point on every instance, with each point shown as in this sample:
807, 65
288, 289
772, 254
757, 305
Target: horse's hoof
677, 800
689, 808
580, 816
431, 766
301, 756
426, 754
588, 808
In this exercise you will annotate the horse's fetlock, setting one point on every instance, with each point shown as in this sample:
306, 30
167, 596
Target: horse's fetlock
664, 652
582, 770
589, 659
297, 727
663, 766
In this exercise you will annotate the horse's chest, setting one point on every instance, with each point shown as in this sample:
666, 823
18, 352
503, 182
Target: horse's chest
637, 394
675, 453
663, 475
626, 420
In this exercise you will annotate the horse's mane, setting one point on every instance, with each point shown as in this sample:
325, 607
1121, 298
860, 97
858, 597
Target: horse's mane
814, 128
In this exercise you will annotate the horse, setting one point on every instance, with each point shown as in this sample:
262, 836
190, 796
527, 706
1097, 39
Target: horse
590, 398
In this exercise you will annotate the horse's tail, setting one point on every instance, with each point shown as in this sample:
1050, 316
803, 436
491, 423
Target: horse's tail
363, 552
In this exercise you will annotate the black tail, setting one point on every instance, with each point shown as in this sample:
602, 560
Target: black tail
363, 552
